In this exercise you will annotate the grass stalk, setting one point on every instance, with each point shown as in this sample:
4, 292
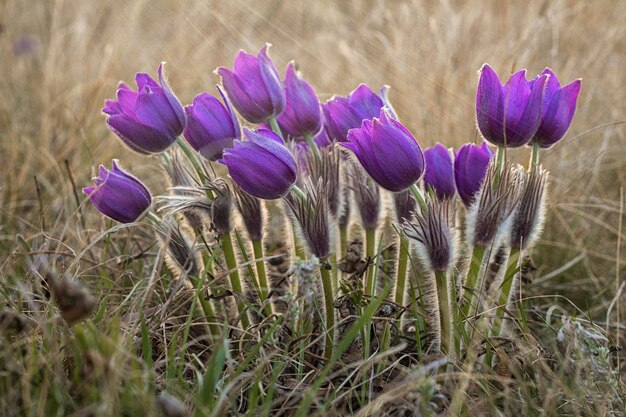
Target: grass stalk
403, 260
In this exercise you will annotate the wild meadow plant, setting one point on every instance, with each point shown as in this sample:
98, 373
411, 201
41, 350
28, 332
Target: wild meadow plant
363, 286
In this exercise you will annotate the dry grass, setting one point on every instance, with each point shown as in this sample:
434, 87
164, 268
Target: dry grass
427, 51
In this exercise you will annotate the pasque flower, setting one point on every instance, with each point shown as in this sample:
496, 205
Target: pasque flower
119, 195
262, 166
509, 114
254, 86
303, 114
211, 125
148, 120
387, 151
470, 165
559, 106
439, 173
344, 113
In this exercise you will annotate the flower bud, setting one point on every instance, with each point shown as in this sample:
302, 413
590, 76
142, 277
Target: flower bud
148, 120
432, 232
529, 215
509, 114
254, 86
470, 165
303, 114
211, 126
497, 198
262, 166
439, 173
388, 152
119, 195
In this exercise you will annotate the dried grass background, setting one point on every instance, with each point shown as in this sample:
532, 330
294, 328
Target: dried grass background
427, 51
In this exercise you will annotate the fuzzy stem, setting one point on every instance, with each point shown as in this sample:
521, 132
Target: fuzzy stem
419, 197
370, 241
403, 260
191, 155
235, 280
330, 310
309, 139
501, 157
445, 318
471, 280
511, 277
343, 240
257, 248
534, 157
156, 220
275, 127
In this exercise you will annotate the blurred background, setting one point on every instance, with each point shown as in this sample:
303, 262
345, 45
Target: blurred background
60, 59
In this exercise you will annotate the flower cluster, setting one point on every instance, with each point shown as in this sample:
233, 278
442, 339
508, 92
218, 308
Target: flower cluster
321, 158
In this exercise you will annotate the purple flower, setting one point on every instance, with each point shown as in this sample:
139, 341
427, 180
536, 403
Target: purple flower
439, 173
211, 126
262, 166
148, 120
470, 165
254, 86
303, 114
344, 113
388, 152
559, 106
119, 195
509, 114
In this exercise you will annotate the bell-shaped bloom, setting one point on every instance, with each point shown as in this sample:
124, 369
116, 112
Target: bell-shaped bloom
262, 166
470, 165
509, 114
387, 151
559, 106
119, 195
254, 86
439, 173
303, 114
148, 120
211, 126
344, 113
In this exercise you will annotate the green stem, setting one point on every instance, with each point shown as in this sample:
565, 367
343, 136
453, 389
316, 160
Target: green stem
235, 280
330, 311
403, 260
445, 318
276, 128
205, 304
191, 155
512, 272
471, 280
534, 157
370, 241
343, 240
156, 220
419, 197
257, 248
309, 139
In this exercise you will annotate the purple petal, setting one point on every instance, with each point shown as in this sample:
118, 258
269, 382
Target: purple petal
490, 106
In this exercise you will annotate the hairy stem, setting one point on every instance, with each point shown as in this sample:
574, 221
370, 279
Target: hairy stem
534, 157
472, 279
403, 260
370, 241
235, 280
511, 277
445, 318
309, 139
257, 248
329, 309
